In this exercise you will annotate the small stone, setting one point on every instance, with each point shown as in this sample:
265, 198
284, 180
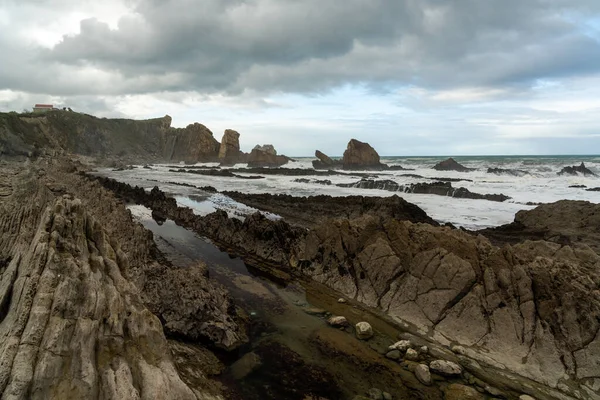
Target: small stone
375, 394
364, 330
393, 355
402, 345
411, 355
423, 375
424, 350
445, 367
337, 321
342, 300
526, 397
387, 396
459, 350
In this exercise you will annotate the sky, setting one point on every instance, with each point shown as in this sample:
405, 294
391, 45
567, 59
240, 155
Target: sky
411, 77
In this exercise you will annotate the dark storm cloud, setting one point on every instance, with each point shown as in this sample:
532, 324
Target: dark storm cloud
314, 45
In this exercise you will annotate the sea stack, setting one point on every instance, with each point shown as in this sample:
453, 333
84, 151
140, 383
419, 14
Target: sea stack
265, 156
229, 151
361, 156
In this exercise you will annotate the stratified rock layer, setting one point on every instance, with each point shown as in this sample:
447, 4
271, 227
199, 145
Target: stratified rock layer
72, 326
532, 308
79, 288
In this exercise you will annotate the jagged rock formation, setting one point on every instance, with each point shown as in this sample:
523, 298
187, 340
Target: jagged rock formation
229, 151
574, 170
451, 164
195, 143
265, 156
360, 155
437, 188
533, 308
325, 162
72, 322
565, 222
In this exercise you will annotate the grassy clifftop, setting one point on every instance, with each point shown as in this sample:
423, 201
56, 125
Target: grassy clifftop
26, 134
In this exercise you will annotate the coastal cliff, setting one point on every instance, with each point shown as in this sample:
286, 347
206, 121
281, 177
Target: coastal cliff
130, 140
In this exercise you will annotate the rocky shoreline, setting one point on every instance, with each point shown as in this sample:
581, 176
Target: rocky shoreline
346, 265
501, 316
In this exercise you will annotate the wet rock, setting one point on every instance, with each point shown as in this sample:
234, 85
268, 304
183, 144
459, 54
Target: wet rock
450, 164
596, 189
445, 367
578, 186
401, 345
423, 350
337, 321
501, 171
456, 391
245, 365
526, 397
423, 374
342, 300
574, 170
393, 355
411, 355
364, 331
324, 162
387, 396
361, 156
437, 188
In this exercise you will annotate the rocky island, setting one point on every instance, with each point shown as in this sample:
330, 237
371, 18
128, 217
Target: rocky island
115, 291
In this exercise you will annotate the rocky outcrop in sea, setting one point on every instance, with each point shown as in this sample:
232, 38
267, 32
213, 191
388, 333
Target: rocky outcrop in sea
574, 170
451, 164
361, 156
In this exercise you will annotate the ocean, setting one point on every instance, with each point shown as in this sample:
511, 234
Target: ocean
540, 184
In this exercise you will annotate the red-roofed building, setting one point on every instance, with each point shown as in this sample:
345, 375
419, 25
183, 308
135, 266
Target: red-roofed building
43, 107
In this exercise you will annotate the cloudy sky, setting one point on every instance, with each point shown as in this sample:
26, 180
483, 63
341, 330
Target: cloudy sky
411, 77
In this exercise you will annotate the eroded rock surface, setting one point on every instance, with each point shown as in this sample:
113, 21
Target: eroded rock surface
72, 325
325, 162
80, 286
360, 155
534, 307
229, 150
265, 156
